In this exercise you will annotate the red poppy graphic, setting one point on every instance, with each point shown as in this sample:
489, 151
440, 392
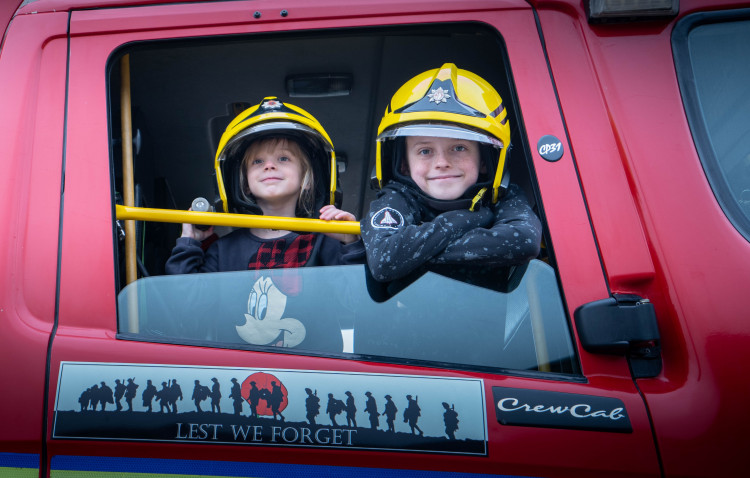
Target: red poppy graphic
266, 391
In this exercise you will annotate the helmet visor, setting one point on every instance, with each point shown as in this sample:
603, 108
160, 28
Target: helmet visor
272, 127
440, 131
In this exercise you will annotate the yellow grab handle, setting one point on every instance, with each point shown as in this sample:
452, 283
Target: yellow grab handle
236, 220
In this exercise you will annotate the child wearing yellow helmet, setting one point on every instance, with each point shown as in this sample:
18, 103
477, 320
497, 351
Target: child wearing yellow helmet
274, 159
445, 203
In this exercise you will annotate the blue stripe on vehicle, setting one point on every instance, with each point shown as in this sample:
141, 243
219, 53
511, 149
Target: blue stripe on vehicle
104, 465
19, 465
19, 460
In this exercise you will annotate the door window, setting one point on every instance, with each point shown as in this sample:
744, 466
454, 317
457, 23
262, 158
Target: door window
518, 323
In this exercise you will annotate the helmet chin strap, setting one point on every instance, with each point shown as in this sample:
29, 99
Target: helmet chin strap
502, 178
470, 203
477, 198
447, 205
471, 199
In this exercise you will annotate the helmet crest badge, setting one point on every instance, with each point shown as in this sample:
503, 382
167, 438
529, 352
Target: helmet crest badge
271, 105
439, 95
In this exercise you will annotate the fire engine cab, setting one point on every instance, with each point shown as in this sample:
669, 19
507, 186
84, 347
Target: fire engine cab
618, 351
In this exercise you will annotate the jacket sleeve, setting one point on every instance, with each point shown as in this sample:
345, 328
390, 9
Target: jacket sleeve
188, 257
334, 253
514, 238
353, 253
397, 242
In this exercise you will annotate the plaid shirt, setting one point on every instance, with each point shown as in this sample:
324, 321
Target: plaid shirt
240, 250
283, 253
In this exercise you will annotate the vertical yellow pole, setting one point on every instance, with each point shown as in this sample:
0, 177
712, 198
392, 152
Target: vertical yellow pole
131, 265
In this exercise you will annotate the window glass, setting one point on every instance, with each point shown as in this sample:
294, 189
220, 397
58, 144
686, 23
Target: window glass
518, 324
715, 66
329, 310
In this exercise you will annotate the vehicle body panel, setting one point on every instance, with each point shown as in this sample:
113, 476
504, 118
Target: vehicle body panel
696, 251
628, 210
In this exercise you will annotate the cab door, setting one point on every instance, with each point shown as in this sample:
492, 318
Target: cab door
32, 79
506, 418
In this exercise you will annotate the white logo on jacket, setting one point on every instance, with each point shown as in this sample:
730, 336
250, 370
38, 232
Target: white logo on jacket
387, 218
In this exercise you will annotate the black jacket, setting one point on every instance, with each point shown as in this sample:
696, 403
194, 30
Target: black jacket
405, 237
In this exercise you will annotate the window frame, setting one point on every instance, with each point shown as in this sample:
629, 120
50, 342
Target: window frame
692, 103
522, 151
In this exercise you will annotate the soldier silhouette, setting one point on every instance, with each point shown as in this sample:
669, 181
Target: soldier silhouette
175, 392
334, 407
390, 413
450, 417
312, 405
85, 399
275, 399
371, 407
163, 397
119, 392
351, 410
95, 396
200, 393
148, 395
215, 396
254, 397
105, 395
236, 395
130, 390
412, 414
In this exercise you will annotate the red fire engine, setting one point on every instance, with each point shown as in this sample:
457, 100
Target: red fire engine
617, 352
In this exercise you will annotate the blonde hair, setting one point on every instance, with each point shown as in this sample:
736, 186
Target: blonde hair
306, 198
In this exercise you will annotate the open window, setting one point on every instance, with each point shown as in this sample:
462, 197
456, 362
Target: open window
183, 93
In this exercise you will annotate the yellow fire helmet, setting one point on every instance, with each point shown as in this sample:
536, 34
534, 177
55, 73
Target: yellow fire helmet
452, 103
273, 118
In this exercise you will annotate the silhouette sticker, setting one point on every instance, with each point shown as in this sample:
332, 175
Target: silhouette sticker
272, 407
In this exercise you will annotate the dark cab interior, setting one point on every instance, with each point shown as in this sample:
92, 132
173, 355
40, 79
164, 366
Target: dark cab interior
184, 93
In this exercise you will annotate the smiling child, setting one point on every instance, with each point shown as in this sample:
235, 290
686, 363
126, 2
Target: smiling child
445, 204
274, 159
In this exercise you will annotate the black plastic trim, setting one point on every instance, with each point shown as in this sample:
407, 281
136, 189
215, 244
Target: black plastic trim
616, 325
44, 455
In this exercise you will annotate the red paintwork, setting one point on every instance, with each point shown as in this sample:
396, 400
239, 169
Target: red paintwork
31, 154
655, 223
698, 261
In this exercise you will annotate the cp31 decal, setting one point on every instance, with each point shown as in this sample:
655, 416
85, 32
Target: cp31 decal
270, 407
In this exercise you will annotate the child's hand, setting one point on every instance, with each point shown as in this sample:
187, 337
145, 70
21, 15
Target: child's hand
331, 213
189, 230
